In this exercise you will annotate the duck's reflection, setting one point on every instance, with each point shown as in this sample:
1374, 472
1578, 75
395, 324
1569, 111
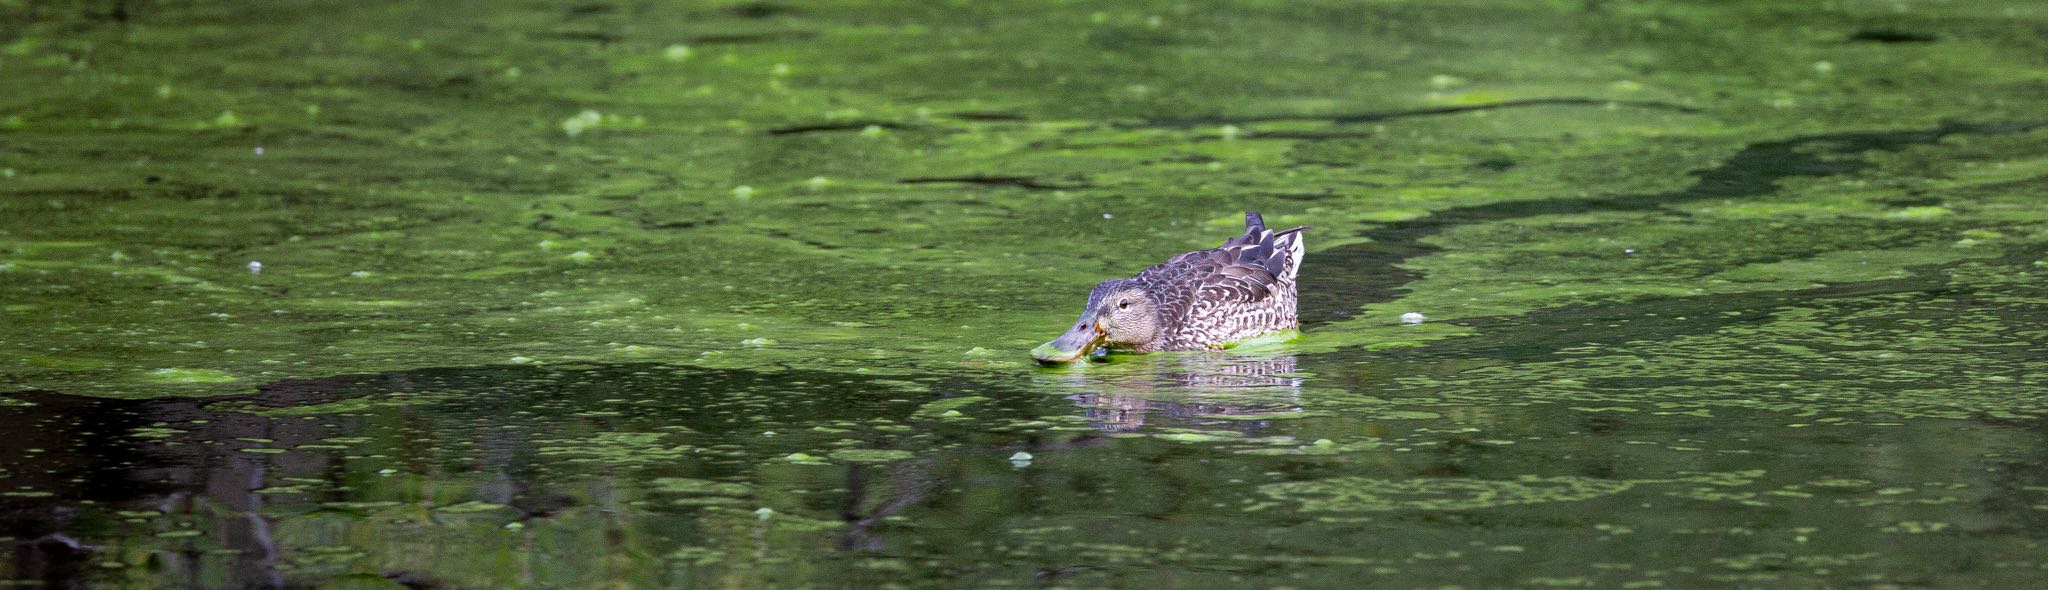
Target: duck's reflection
1199, 389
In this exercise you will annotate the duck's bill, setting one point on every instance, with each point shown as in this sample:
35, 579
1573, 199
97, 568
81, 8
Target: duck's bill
1071, 346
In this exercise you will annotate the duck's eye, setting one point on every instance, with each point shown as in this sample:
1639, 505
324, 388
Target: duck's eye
1125, 304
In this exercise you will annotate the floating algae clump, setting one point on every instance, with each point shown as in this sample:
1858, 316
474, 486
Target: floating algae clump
686, 485
190, 376
1364, 494
949, 407
870, 455
574, 126
633, 449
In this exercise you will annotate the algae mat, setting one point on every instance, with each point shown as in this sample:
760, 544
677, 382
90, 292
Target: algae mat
677, 294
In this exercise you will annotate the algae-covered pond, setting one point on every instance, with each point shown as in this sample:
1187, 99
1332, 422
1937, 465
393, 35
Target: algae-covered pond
740, 294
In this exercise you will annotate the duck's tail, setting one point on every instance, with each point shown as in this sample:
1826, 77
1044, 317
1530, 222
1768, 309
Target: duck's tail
1288, 241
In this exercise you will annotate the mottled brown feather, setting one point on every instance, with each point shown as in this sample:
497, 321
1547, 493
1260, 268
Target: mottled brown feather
1242, 288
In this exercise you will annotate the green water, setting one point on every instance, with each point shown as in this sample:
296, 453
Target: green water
652, 294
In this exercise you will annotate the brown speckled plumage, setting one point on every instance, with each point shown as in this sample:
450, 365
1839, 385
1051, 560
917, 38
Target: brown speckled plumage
1238, 290
1198, 300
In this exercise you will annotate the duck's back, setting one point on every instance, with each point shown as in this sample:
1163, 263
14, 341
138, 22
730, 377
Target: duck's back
1238, 290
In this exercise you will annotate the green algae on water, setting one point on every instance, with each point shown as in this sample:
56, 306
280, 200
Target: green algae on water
684, 485
190, 376
1359, 494
630, 449
949, 407
870, 455
1572, 193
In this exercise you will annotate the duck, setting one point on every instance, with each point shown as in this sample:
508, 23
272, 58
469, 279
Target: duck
1201, 300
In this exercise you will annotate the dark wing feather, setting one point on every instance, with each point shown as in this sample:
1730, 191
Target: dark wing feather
1230, 273
1243, 269
1254, 232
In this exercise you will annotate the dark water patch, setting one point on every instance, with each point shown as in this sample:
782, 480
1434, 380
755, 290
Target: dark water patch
1352, 276
1363, 272
862, 125
598, 37
228, 488
1542, 334
2020, 480
515, 438
1891, 36
1384, 116
807, 242
1952, 341
1543, 488
760, 10
1024, 182
670, 475
748, 38
1912, 201
1494, 164
653, 221
64, 454
989, 116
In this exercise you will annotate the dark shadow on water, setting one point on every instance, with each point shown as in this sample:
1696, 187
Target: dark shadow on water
250, 475
1383, 116
518, 434
66, 459
1349, 276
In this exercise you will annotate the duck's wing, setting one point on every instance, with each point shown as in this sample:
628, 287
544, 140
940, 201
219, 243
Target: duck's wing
1278, 252
1243, 269
1250, 274
1230, 273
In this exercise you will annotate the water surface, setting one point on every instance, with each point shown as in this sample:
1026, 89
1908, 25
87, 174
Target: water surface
668, 294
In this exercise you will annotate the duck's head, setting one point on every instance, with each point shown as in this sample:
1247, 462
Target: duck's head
1120, 314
